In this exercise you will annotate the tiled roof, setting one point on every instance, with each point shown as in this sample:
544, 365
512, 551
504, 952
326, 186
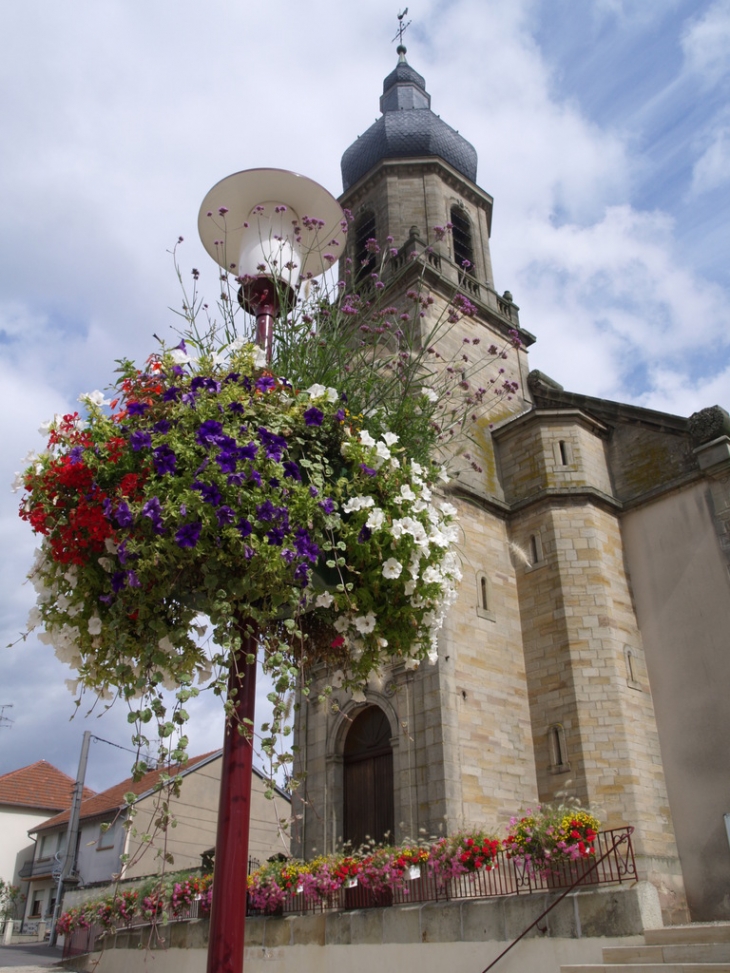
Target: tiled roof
113, 798
40, 785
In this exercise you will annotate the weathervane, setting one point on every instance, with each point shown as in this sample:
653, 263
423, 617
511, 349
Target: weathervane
401, 28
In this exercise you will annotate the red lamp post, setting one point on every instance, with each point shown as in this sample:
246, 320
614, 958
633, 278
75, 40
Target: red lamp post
268, 227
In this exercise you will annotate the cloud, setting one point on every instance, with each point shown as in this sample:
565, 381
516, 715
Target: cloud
712, 169
706, 44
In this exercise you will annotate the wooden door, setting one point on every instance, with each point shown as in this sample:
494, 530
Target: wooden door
368, 780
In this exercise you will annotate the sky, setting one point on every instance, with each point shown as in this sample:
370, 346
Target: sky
603, 134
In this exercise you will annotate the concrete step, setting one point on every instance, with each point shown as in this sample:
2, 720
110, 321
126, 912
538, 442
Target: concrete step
649, 968
674, 953
697, 932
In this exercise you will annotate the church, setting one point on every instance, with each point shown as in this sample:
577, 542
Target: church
588, 654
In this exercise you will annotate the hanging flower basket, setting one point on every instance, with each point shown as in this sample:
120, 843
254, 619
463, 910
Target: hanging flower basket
213, 488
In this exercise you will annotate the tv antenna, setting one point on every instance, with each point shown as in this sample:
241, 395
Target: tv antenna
401, 27
5, 721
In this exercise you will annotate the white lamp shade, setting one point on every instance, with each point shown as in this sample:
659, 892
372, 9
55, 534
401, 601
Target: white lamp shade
264, 221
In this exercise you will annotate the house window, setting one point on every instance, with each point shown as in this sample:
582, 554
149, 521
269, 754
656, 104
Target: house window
107, 836
463, 247
558, 749
365, 230
485, 608
36, 905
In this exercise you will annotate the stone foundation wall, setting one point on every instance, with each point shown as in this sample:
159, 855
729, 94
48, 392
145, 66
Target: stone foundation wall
430, 937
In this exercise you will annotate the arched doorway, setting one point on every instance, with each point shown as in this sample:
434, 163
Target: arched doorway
368, 779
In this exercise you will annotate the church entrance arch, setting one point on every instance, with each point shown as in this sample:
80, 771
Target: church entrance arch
369, 806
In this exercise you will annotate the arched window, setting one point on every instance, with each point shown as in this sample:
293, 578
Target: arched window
558, 749
369, 807
463, 246
365, 230
485, 608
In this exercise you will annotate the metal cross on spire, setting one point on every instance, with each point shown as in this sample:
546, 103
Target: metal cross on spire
401, 28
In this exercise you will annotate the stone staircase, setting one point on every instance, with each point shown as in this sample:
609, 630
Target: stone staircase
675, 949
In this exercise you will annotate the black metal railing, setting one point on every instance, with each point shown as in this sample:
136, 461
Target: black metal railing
614, 863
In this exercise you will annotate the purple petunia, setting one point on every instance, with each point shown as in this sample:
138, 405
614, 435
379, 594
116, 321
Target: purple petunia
291, 470
248, 452
227, 460
328, 505
76, 454
140, 440
266, 511
301, 574
365, 534
189, 534
313, 416
171, 395
368, 470
305, 546
209, 432
208, 491
137, 408
153, 510
164, 460
118, 581
255, 477
273, 445
244, 527
225, 515
132, 580
340, 415
162, 427
265, 383
123, 515
276, 536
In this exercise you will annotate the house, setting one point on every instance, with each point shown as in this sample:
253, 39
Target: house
27, 797
111, 842
587, 652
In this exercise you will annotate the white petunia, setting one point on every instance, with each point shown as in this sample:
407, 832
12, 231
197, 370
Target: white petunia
342, 623
448, 509
432, 575
94, 398
433, 657
358, 503
18, 482
409, 664
376, 519
259, 358
390, 438
382, 452
429, 393
392, 569
324, 600
358, 696
94, 625
365, 623
34, 618
366, 439
316, 391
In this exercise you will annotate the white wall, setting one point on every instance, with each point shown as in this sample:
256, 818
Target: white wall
15, 846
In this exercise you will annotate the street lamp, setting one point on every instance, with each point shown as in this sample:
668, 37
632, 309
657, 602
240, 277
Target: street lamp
271, 229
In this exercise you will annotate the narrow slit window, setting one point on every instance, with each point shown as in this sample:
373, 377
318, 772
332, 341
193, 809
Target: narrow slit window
535, 549
483, 593
563, 446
